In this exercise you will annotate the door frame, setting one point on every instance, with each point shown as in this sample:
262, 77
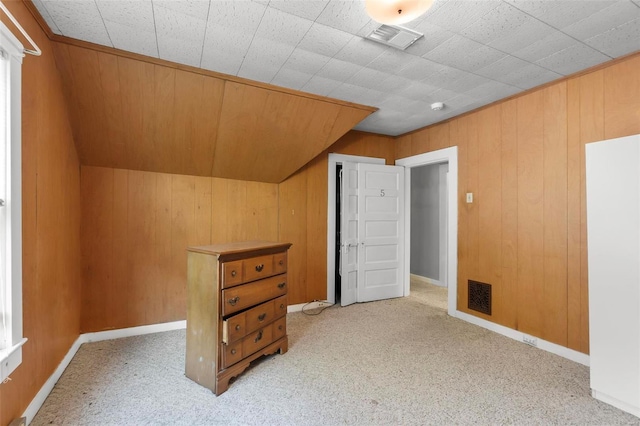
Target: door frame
334, 160
449, 155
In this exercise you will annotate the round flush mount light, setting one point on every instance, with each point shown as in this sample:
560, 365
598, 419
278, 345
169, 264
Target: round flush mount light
437, 106
395, 12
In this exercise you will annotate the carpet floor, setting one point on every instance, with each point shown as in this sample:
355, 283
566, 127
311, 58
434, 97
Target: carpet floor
394, 362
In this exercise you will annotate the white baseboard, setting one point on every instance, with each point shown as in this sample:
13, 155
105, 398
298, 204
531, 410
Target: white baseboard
46, 389
427, 280
562, 351
624, 406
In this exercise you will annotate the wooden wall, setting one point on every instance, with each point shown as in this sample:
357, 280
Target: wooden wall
136, 227
523, 159
51, 225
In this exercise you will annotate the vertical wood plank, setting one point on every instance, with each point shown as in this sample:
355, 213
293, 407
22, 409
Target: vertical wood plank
402, 147
554, 327
182, 226
202, 220
316, 255
117, 305
113, 114
458, 137
621, 100
219, 211
420, 142
574, 232
509, 133
530, 213
163, 246
489, 205
473, 217
237, 227
439, 137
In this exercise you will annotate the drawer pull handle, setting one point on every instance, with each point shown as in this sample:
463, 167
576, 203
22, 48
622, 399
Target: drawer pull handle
233, 273
281, 262
233, 301
282, 306
259, 267
258, 337
237, 327
279, 327
281, 285
233, 351
261, 317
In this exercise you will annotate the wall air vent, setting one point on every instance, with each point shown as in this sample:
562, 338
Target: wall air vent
394, 36
479, 297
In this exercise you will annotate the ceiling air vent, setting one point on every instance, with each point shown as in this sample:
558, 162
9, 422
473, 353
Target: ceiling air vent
394, 36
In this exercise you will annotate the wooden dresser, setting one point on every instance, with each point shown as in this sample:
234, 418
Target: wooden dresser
236, 308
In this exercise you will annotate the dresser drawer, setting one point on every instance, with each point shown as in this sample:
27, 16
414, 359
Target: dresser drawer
257, 340
280, 306
280, 328
258, 267
280, 263
232, 273
234, 328
244, 296
237, 326
231, 354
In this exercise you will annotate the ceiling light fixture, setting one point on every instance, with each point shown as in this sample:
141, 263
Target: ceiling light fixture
394, 12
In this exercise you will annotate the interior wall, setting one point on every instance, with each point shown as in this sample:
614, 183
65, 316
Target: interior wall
303, 214
136, 227
525, 232
425, 221
51, 224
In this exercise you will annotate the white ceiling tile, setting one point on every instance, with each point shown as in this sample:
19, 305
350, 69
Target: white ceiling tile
305, 61
79, 20
618, 41
349, 16
268, 53
493, 90
339, 70
504, 66
560, 13
456, 15
420, 69
393, 84
391, 60
573, 59
460, 101
613, 16
135, 14
368, 78
125, 37
419, 92
307, 9
445, 77
180, 51
282, 27
360, 51
196, 8
45, 14
433, 37
527, 77
357, 94
257, 72
442, 95
222, 61
462, 53
240, 16
291, 79
469, 81
320, 85
545, 46
176, 25
437, 4
324, 40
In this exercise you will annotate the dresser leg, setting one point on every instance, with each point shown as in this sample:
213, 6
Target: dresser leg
284, 347
221, 386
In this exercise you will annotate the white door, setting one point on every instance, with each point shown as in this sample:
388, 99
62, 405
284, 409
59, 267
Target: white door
349, 233
372, 232
381, 232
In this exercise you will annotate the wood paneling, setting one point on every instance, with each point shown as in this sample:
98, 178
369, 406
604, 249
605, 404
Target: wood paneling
135, 114
136, 227
524, 161
50, 224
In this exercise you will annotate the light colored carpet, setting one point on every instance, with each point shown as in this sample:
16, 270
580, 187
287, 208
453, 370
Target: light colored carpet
429, 294
394, 362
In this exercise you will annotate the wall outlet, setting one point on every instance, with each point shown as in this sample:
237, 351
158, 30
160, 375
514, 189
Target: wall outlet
530, 340
321, 304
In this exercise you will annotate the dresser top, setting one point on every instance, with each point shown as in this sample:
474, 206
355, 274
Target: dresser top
240, 248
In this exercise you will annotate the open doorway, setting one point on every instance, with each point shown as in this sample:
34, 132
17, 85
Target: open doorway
449, 156
428, 258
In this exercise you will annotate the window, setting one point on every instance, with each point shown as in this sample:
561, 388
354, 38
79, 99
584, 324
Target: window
11, 340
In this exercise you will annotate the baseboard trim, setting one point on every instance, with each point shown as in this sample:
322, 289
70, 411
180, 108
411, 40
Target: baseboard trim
562, 351
624, 406
427, 280
307, 306
46, 389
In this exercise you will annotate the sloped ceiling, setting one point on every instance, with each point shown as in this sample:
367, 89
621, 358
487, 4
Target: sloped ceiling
135, 114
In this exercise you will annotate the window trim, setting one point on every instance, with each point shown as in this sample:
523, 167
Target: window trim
11, 357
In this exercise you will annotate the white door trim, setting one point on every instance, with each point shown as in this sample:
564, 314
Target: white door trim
334, 160
449, 155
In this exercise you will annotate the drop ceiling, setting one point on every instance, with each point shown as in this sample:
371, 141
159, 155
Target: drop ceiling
473, 52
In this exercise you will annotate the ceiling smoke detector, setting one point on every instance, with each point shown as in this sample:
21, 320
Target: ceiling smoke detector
437, 106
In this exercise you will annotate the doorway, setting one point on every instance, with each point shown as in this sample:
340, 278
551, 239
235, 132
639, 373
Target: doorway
450, 156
